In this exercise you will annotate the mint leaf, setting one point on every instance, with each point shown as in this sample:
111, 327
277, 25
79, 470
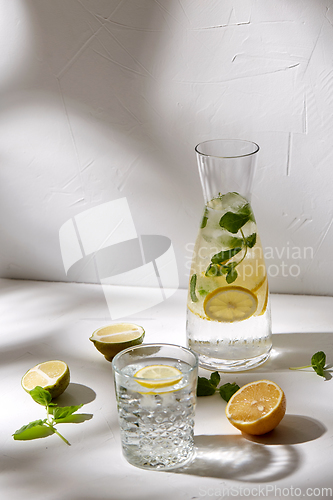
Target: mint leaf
76, 418
215, 379
208, 387
34, 430
41, 396
318, 362
205, 387
204, 219
234, 242
216, 270
246, 210
54, 415
227, 390
251, 240
232, 221
231, 276
193, 284
225, 255
61, 412
29, 426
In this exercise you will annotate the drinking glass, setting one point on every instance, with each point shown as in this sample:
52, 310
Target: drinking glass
156, 396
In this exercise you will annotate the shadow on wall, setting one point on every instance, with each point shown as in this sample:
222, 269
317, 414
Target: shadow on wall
105, 99
87, 97
102, 242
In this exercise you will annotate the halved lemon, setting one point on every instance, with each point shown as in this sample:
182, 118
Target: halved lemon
230, 304
111, 339
53, 376
156, 376
257, 407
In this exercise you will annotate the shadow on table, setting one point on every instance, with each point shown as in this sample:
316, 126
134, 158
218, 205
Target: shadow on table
296, 349
294, 429
254, 458
237, 458
76, 394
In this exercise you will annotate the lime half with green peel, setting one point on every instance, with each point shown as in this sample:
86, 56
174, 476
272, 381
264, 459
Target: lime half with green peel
111, 339
52, 376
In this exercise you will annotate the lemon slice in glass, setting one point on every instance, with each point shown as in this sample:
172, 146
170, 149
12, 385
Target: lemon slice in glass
52, 376
230, 304
111, 339
156, 376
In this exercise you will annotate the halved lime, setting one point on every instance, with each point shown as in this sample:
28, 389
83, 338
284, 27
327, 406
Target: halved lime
111, 339
52, 376
156, 376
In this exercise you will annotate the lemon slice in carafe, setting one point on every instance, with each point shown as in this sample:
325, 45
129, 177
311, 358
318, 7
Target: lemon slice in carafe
230, 304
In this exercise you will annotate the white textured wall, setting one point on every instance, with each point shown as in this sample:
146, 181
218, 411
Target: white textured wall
104, 99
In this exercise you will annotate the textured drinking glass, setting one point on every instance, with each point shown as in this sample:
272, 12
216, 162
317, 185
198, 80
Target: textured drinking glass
156, 414
228, 308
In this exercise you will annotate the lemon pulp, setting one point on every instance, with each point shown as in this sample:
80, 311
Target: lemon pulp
257, 407
111, 339
230, 304
156, 376
52, 375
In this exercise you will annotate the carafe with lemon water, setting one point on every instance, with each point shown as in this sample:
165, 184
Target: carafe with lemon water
228, 308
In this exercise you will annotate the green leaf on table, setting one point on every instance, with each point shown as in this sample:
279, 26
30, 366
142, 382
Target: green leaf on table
41, 396
76, 418
61, 412
34, 430
205, 387
193, 284
55, 414
208, 387
318, 362
227, 390
215, 378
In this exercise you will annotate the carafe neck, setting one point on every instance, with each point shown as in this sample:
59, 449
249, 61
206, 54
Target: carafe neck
226, 166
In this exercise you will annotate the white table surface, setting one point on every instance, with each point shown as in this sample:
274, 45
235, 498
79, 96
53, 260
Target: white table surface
41, 321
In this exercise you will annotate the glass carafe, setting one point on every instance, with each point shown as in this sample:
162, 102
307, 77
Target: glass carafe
228, 308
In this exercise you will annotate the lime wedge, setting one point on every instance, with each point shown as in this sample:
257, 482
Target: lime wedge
111, 339
52, 376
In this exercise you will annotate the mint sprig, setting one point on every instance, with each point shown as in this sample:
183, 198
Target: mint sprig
208, 387
54, 415
318, 362
233, 222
